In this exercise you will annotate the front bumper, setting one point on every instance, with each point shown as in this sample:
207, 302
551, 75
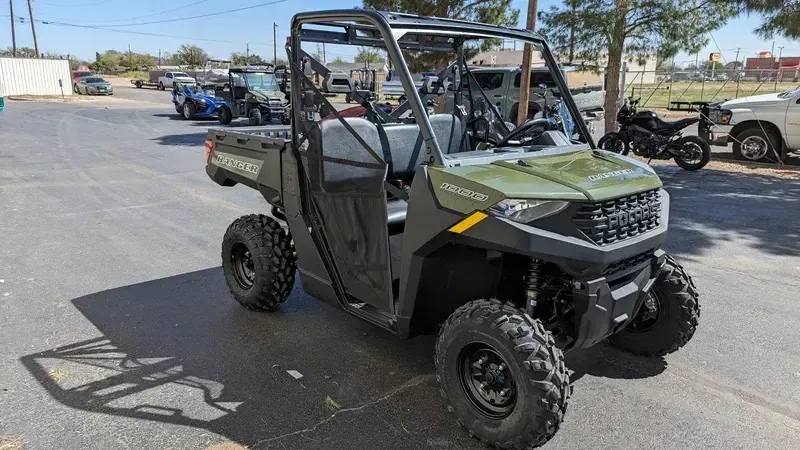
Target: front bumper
720, 134
605, 305
610, 279
99, 91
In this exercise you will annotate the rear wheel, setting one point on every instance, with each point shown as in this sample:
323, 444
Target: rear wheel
697, 153
225, 115
138, 84
668, 317
259, 262
502, 375
756, 144
613, 142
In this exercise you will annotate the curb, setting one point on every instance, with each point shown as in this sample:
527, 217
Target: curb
15, 98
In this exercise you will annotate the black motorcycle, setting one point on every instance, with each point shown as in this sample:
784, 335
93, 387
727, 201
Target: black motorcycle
650, 137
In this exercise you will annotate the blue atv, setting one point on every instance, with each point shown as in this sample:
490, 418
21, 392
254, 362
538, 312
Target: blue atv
194, 102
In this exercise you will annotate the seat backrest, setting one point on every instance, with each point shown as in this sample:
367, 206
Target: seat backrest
335, 154
406, 146
239, 92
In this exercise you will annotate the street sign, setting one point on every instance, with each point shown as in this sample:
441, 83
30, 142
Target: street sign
714, 57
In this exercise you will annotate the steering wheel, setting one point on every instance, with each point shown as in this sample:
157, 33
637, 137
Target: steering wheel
523, 129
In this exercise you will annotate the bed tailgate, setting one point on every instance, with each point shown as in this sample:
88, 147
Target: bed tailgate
252, 158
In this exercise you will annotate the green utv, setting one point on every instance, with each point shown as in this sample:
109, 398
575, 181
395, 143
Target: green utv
514, 244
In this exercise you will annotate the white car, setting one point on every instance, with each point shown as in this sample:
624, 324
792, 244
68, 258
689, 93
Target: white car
761, 128
169, 78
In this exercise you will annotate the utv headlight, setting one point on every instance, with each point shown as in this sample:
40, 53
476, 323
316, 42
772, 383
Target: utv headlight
526, 211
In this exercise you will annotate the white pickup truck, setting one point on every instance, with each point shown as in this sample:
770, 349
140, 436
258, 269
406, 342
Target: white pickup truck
761, 128
166, 80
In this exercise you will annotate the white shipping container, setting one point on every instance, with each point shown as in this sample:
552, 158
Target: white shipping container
31, 76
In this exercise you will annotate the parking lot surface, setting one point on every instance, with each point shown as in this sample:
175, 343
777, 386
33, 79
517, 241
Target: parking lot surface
118, 330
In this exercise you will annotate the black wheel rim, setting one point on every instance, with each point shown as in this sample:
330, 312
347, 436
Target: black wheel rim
487, 381
243, 267
648, 314
693, 154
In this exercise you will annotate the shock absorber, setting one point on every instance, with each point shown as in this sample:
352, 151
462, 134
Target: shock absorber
533, 284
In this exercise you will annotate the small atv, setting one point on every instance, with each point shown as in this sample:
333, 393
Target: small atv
513, 253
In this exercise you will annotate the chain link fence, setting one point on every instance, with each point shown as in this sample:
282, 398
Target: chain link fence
686, 90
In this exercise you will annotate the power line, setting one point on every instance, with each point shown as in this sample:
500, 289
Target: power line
218, 13
139, 33
163, 12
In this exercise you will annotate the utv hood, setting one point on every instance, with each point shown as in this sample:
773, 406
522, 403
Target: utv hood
579, 176
597, 176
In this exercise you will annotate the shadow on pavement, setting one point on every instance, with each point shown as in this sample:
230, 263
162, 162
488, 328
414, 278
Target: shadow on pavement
756, 210
180, 351
185, 140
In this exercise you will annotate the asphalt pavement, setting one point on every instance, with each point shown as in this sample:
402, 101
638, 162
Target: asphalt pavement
117, 329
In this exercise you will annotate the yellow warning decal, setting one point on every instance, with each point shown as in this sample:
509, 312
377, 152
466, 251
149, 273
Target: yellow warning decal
467, 223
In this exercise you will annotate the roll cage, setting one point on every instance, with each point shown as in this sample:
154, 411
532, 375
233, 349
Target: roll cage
396, 32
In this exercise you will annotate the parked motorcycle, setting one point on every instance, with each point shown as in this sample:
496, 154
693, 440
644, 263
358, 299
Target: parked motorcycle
650, 137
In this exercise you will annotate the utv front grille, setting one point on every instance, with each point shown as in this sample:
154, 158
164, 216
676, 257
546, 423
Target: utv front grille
619, 219
627, 263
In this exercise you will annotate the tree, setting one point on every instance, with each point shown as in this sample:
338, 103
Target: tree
602, 31
240, 59
709, 66
22, 52
191, 55
369, 56
496, 12
778, 16
338, 60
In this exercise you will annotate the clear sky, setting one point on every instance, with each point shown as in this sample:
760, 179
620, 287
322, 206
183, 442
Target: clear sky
223, 33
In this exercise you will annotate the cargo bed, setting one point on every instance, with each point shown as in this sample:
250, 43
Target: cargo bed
251, 157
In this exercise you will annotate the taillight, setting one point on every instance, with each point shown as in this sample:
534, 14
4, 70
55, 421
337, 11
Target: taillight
209, 148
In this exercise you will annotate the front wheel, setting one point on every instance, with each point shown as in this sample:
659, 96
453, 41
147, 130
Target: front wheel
225, 115
613, 142
255, 117
189, 110
756, 144
668, 317
697, 153
502, 375
160, 86
259, 262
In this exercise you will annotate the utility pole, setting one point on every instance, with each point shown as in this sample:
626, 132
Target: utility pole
130, 57
13, 35
33, 30
525, 78
778, 71
738, 72
324, 60
247, 54
274, 43
159, 57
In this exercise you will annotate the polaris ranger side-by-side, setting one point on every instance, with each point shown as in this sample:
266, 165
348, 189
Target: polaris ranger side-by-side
514, 244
